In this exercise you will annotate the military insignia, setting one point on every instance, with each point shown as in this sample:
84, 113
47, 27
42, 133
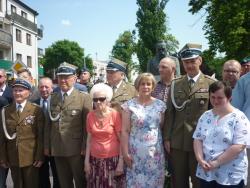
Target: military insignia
202, 102
202, 90
29, 120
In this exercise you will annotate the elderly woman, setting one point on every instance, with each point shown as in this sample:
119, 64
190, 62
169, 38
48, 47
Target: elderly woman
220, 141
142, 118
103, 160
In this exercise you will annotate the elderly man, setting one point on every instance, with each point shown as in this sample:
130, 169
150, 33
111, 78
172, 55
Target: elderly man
5, 90
167, 73
45, 87
231, 72
122, 91
21, 137
189, 98
245, 65
26, 74
68, 110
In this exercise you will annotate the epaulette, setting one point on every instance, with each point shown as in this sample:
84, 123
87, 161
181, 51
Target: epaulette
6, 105
84, 92
177, 78
210, 78
35, 104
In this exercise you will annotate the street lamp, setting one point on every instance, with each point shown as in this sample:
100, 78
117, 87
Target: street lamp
84, 61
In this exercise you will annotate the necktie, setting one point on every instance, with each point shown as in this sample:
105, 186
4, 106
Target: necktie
45, 105
65, 95
19, 109
191, 83
114, 89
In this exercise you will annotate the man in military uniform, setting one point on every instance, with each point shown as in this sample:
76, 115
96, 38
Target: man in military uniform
68, 110
122, 91
189, 98
85, 78
21, 137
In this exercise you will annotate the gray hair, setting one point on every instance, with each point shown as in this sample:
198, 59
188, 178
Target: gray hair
3, 71
101, 87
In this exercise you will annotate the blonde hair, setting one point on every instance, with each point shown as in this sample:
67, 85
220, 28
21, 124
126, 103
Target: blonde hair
143, 76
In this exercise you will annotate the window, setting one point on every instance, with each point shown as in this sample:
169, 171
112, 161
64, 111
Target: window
13, 9
19, 57
29, 62
18, 35
1, 5
28, 39
24, 14
1, 54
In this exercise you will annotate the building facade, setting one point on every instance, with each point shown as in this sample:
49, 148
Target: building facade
19, 35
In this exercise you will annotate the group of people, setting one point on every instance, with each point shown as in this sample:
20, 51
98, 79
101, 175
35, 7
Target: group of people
116, 134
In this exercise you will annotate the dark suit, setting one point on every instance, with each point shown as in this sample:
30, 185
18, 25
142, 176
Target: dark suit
44, 180
27, 147
67, 136
7, 93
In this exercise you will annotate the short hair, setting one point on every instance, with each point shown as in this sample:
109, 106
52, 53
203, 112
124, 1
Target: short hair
21, 70
221, 85
101, 87
4, 72
45, 78
142, 76
232, 61
170, 60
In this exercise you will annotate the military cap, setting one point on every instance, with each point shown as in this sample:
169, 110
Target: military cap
66, 69
116, 65
84, 69
245, 60
21, 82
190, 51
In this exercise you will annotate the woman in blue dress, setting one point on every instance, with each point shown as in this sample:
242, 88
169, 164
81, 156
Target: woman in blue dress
142, 147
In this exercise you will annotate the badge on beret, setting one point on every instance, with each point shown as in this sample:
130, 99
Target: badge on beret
202, 102
74, 112
29, 120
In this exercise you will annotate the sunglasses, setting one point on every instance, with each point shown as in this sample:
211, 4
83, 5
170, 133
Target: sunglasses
101, 99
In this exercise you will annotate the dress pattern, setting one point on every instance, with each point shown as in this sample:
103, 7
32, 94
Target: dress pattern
217, 135
145, 144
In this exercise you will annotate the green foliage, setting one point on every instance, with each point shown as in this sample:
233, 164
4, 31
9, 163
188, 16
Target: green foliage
124, 48
227, 25
151, 25
64, 50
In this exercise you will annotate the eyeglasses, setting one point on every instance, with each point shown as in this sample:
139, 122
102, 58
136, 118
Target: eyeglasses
101, 99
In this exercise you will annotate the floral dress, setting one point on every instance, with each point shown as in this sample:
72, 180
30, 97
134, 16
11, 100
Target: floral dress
145, 144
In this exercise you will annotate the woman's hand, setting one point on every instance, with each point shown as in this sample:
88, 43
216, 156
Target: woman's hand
87, 168
205, 165
128, 160
214, 164
119, 168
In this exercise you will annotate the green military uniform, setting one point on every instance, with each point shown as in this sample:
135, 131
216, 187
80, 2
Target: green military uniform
184, 108
67, 135
22, 150
125, 92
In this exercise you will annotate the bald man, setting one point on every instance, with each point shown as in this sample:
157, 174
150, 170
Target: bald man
167, 68
231, 72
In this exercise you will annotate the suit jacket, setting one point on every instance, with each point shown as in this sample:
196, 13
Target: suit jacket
8, 94
180, 125
28, 144
124, 93
68, 134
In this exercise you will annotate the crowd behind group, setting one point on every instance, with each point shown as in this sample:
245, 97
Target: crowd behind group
116, 134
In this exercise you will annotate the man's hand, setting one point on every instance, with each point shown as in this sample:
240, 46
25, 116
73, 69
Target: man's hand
167, 146
38, 163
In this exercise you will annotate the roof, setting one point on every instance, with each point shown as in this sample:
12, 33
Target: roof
26, 7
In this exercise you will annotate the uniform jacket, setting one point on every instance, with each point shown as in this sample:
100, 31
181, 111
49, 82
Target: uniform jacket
180, 125
124, 93
28, 144
68, 134
8, 94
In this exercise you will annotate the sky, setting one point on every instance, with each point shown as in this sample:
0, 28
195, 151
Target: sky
97, 24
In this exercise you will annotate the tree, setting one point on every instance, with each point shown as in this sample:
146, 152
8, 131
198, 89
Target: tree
151, 25
227, 25
124, 48
63, 50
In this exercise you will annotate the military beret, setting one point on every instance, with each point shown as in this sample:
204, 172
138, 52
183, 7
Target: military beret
116, 65
21, 82
245, 60
84, 69
190, 51
66, 69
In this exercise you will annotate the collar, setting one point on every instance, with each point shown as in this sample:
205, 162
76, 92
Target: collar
68, 92
195, 78
4, 87
41, 100
22, 104
119, 84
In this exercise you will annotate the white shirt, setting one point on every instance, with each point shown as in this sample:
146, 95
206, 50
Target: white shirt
2, 89
42, 99
194, 78
217, 135
117, 86
68, 92
22, 104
